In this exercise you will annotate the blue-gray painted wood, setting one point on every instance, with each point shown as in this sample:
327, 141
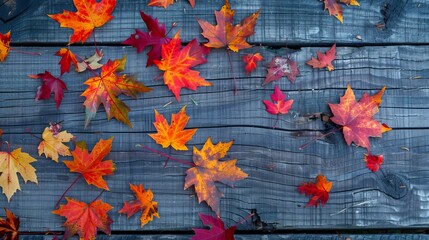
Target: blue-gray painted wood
396, 198
261, 237
360, 199
293, 22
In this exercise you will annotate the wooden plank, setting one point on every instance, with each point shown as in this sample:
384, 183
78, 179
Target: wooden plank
301, 22
394, 198
261, 237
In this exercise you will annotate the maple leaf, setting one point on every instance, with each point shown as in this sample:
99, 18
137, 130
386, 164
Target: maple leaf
208, 170
50, 84
279, 67
9, 226
90, 14
4, 45
278, 105
166, 3
52, 145
176, 65
105, 88
144, 203
84, 219
91, 62
175, 134
160, 3
356, 117
10, 165
225, 34
155, 37
251, 61
217, 229
91, 165
324, 60
373, 162
67, 58
335, 9
319, 189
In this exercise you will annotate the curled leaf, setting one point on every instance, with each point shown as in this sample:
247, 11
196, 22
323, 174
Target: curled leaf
67, 58
50, 84
319, 190
9, 226
373, 162
143, 202
251, 61
52, 145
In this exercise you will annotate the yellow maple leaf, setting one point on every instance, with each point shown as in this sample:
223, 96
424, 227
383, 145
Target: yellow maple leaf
10, 165
52, 146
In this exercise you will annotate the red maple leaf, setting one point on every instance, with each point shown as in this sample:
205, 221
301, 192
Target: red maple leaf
356, 117
251, 61
319, 189
217, 229
324, 60
67, 58
50, 85
373, 162
176, 64
155, 37
84, 219
278, 105
279, 67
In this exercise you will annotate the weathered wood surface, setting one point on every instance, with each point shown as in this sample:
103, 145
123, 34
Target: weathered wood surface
394, 198
297, 22
260, 237
397, 197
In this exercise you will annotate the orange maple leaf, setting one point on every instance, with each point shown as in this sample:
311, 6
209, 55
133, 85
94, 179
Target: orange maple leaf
4, 45
9, 226
209, 170
356, 117
144, 202
175, 134
90, 14
91, 165
166, 3
176, 65
320, 191
336, 10
84, 219
105, 88
52, 145
67, 58
225, 34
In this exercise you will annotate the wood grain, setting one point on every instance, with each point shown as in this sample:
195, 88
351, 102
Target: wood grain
295, 22
397, 197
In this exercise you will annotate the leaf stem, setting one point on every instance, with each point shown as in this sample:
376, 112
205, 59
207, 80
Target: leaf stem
171, 28
168, 158
232, 71
319, 137
24, 52
277, 120
29, 131
245, 219
165, 155
95, 43
99, 195
71, 185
